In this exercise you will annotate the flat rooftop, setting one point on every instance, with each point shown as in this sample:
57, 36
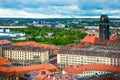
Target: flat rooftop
8, 27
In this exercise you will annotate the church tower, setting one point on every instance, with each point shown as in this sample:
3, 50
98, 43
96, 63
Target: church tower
104, 33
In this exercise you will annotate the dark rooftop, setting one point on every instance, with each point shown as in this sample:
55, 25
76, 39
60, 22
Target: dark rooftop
91, 53
26, 48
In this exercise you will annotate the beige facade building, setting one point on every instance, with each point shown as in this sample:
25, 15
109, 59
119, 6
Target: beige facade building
70, 57
81, 59
3, 43
26, 55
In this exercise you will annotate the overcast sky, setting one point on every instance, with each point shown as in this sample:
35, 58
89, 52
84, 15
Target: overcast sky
58, 8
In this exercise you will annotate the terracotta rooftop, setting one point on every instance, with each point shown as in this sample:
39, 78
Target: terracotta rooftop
42, 74
90, 38
94, 39
2, 42
4, 61
115, 41
19, 71
37, 74
86, 67
34, 44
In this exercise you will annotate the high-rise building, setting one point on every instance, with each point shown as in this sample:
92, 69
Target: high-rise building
104, 27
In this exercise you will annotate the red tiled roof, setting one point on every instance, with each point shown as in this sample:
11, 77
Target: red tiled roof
90, 38
4, 61
116, 41
84, 67
34, 44
19, 71
41, 76
113, 37
94, 39
4, 42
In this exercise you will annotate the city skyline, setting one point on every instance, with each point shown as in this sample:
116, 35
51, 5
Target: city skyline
58, 9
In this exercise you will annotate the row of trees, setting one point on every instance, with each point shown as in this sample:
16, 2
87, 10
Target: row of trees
60, 36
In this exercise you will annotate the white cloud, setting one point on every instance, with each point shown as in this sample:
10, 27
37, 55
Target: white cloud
58, 8
18, 14
21, 13
116, 11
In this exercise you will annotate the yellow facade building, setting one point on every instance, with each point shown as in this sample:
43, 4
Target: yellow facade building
26, 55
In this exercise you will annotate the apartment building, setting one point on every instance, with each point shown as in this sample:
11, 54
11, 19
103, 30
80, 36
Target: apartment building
26, 55
70, 57
4, 43
52, 48
89, 70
